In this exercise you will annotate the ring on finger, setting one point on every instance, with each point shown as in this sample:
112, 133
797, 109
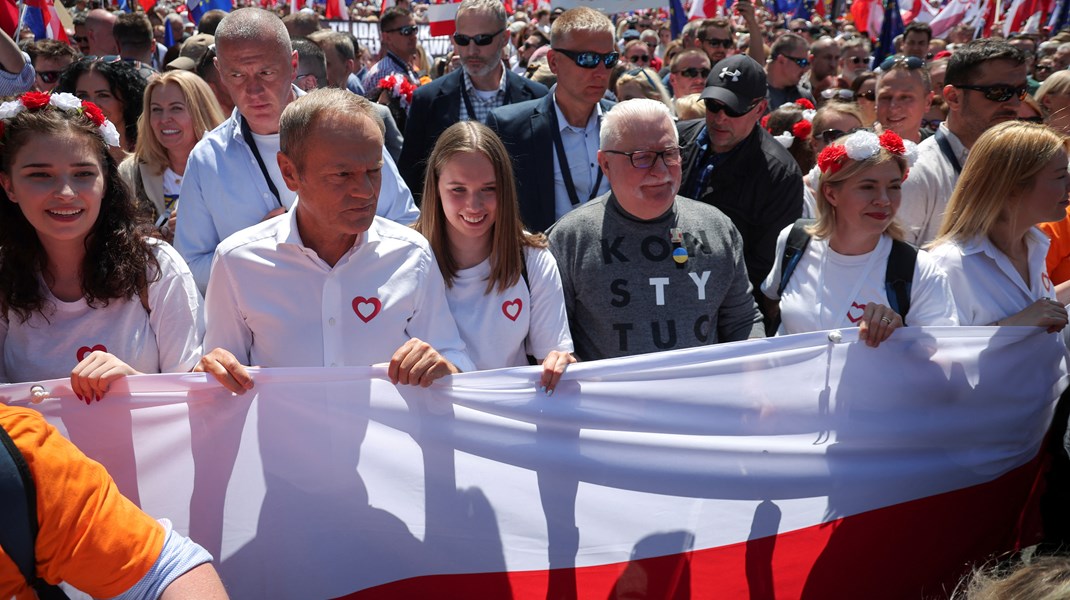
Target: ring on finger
886, 320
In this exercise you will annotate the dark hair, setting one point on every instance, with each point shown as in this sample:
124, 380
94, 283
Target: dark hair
917, 26
967, 59
392, 16
123, 81
118, 263
210, 21
133, 31
782, 120
51, 49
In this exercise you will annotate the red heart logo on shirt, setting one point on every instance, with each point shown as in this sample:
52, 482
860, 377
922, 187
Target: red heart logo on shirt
85, 350
366, 308
851, 312
1046, 281
512, 308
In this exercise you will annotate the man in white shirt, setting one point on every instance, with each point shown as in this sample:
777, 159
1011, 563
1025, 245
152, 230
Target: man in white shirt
330, 283
984, 86
233, 179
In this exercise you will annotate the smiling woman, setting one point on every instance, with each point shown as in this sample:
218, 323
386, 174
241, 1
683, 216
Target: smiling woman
114, 86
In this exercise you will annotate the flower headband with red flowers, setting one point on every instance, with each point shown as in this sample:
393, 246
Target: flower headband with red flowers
862, 145
801, 129
68, 103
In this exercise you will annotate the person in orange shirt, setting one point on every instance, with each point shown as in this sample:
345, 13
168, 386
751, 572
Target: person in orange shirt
90, 536
1059, 254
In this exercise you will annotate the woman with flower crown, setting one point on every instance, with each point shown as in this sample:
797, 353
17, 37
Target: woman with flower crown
988, 243
82, 292
839, 278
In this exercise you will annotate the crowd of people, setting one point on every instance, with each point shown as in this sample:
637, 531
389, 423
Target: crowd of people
559, 187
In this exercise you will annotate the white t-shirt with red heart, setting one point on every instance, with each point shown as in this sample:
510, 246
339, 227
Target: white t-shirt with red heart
829, 290
166, 341
501, 328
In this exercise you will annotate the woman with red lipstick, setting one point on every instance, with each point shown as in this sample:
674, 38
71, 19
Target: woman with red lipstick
82, 293
838, 279
179, 109
988, 243
502, 283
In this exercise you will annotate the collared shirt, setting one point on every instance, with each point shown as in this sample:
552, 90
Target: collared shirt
387, 66
928, 187
482, 102
985, 284
224, 191
581, 148
13, 84
385, 290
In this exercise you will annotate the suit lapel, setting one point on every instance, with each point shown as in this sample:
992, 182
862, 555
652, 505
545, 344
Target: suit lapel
543, 150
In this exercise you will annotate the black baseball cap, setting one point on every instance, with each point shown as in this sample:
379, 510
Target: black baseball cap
737, 82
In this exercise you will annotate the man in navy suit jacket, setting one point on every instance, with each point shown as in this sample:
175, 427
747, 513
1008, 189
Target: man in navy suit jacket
567, 122
469, 93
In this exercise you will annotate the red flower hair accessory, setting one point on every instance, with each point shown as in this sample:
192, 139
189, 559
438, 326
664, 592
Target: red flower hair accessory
68, 103
805, 104
831, 158
801, 130
34, 100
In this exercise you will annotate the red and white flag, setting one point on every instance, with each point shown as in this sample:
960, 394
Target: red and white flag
442, 18
705, 9
951, 15
801, 466
336, 9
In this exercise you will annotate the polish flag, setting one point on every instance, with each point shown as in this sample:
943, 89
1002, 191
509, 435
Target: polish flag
951, 15
1021, 16
704, 9
336, 9
804, 466
442, 18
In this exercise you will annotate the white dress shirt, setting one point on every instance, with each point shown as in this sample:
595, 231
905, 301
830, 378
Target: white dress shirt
581, 147
928, 187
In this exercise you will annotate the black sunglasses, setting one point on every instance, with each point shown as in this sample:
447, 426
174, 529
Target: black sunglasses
857, 60
1000, 92
714, 107
482, 39
871, 95
645, 159
831, 135
49, 76
590, 60
1043, 68
726, 43
639, 57
802, 62
694, 72
911, 62
407, 30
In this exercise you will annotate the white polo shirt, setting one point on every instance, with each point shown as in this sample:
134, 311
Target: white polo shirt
274, 303
986, 285
928, 187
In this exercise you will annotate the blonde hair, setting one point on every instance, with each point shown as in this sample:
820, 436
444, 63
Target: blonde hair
826, 213
508, 238
203, 108
649, 82
579, 19
1004, 161
690, 107
1042, 578
1056, 83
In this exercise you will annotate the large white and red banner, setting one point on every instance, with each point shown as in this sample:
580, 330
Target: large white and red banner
808, 466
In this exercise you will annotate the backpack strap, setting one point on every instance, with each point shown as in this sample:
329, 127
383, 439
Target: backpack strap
899, 276
798, 240
18, 519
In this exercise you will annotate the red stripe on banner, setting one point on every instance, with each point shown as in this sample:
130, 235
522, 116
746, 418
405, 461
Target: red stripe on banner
916, 549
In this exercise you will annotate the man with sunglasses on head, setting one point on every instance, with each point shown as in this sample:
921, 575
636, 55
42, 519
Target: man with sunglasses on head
643, 269
466, 94
397, 35
733, 163
984, 86
49, 59
789, 58
904, 95
554, 140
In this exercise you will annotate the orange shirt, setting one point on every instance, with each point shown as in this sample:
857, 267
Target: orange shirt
1059, 251
90, 535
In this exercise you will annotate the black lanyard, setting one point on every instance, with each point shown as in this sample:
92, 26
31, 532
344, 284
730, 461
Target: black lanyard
562, 161
945, 147
248, 135
409, 73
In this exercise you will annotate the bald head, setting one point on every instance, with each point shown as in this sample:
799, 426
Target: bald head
253, 26
98, 27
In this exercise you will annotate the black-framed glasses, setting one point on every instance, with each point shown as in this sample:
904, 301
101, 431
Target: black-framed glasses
405, 30
49, 76
645, 159
1000, 92
871, 95
857, 60
724, 43
639, 57
910, 62
831, 135
481, 39
78, 39
693, 72
714, 107
1043, 68
802, 62
590, 60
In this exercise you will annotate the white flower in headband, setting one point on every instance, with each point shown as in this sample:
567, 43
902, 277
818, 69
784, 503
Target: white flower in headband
861, 145
10, 109
65, 101
785, 139
110, 133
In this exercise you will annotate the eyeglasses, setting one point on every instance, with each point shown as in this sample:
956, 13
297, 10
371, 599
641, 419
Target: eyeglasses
693, 72
724, 43
911, 62
931, 124
590, 60
1037, 120
1000, 92
639, 57
831, 135
802, 62
482, 39
645, 159
838, 93
49, 76
1044, 68
714, 107
78, 39
406, 30
871, 95
857, 60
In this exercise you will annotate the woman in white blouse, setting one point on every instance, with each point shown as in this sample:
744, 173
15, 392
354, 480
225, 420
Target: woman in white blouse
839, 279
988, 244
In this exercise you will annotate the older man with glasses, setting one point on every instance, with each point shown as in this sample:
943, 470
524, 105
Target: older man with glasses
788, 61
984, 86
731, 162
643, 269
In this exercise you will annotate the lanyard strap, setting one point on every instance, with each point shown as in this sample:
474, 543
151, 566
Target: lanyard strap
409, 73
562, 161
945, 147
248, 135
